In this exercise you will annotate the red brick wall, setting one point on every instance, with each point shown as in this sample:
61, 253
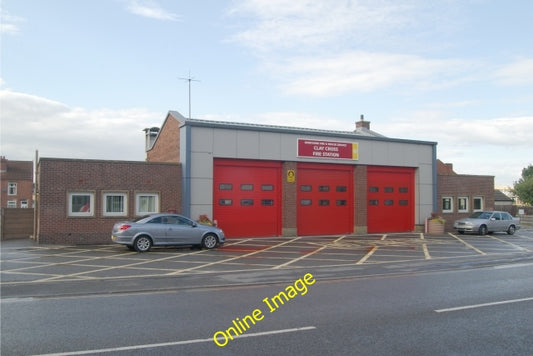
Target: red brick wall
459, 185
360, 189
289, 207
20, 172
167, 146
57, 177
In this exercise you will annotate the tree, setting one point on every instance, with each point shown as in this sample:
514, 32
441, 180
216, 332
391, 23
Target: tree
523, 188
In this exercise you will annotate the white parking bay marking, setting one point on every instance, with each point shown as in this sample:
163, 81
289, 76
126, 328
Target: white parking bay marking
175, 343
509, 301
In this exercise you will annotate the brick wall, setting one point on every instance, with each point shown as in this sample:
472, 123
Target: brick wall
459, 185
167, 146
57, 177
289, 207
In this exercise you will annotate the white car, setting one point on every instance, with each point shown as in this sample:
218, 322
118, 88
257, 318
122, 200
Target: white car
483, 222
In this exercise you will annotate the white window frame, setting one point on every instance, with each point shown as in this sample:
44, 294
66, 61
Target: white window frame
474, 204
24, 203
88, 213
450, 210
11, 204
138, 210
465, 209
123, 195
11, 188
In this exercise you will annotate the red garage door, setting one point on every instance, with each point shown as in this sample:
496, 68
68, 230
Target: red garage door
390, 199
247, 197
325, 199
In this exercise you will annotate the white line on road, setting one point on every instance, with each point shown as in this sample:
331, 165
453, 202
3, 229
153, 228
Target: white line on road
484, 305
309, 254
175, 343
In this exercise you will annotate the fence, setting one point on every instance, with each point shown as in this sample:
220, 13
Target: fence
16, 223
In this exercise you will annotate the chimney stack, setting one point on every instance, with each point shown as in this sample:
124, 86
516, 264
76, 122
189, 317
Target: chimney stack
151, 135
362, 124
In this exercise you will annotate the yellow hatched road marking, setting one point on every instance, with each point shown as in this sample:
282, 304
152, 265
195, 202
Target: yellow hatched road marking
306, 255
467, 244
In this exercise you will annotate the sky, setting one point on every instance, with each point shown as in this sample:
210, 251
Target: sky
83, 78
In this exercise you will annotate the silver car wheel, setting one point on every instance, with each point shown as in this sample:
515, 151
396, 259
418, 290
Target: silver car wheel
209, 241
483, 230
511, 230
142, 244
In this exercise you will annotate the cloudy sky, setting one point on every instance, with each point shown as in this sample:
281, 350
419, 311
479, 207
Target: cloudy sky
81, 79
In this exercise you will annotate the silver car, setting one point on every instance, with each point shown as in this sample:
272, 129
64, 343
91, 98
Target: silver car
165, 230
483, 222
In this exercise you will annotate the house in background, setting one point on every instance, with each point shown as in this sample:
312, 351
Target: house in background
17, 183
459, 195
502, 201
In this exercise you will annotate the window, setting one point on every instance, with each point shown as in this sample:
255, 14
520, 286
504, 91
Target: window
24, 203
323, 188
115, 204
80, 204
267, 187
341, 202
11, 188
404, 202
373, 189
389, 190
373, 202
388, 202
267, 202
225, 202
403, 190
341, 188
247, 187
225, 186
447, 204
146, 203
11, 203
305, 202
247, 202
478, 203
305, 188
462, 204
323, 202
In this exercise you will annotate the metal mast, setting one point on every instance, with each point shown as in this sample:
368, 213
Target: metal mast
190, 79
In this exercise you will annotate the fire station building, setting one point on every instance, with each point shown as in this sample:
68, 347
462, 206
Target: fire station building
262, 180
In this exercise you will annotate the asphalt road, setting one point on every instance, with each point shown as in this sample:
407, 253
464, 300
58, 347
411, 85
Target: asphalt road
368, 295
479, 311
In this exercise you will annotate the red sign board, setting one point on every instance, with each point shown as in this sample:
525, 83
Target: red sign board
327, 149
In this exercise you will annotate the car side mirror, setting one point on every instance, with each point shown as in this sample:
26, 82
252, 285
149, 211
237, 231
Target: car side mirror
492, 219
194, 224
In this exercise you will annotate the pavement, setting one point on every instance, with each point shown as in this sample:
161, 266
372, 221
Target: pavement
32, 270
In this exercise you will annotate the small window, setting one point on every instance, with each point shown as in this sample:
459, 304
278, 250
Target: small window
225, 186
267, 202
11, 203
306, 188
146, 203
267, 187
447, 204
323, 202
305, 202
115, 204
247, 202
403, 190
341, 188
373, 202
373, 189
462, 204
341, 202
323, 188
11, 188
389, 190
24, 204
388, 202
225, 202
403, 202
81, 204
478, 203
247, 187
